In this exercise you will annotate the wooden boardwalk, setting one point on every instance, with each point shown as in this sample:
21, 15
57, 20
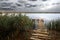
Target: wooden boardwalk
40, 35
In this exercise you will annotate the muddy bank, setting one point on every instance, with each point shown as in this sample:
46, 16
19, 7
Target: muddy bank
55, 35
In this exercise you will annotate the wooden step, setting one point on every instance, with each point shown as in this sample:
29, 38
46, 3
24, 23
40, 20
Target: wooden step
44, 37
42, 33
34, 38
39, 35
40, 30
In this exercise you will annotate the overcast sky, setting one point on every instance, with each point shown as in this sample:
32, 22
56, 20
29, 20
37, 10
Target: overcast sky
46, 6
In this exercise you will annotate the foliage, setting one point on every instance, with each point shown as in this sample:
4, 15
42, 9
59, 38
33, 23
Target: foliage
55, 25
11, 24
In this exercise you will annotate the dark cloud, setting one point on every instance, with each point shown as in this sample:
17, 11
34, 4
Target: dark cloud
54, 9
31, 8
57, 9
32, 0
44, 0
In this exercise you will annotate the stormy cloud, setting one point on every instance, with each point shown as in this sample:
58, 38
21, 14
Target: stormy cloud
30, 5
